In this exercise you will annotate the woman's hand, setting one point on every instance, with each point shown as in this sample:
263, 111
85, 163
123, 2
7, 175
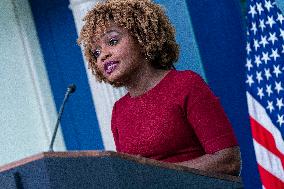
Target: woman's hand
226, 161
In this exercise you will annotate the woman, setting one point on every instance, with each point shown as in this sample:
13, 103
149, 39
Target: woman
167, 115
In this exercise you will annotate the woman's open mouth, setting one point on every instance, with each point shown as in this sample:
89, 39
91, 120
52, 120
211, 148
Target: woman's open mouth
110, 66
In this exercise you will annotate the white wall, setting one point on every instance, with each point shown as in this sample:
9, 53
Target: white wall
27, 111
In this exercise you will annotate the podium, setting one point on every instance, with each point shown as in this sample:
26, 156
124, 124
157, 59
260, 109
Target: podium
95, 169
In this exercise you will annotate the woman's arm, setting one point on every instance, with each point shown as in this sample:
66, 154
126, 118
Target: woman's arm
226, 161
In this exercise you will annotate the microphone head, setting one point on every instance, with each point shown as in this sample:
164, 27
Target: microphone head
71, 88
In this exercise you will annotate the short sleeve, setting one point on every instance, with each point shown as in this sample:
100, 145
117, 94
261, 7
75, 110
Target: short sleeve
114, 128
208, 119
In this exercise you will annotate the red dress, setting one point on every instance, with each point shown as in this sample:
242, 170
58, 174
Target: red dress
177, 120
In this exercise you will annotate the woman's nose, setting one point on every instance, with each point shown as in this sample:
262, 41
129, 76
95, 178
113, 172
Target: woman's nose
105, 55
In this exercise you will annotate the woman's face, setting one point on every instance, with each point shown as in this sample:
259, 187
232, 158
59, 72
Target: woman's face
118, 54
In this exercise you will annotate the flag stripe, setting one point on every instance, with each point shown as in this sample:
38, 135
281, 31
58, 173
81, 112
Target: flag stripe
264, 137
269, 181
269, 161
258, 113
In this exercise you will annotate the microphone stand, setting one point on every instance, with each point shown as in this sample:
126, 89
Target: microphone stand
70, 90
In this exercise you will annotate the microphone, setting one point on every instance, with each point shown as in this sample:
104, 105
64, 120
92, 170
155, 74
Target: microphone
71, 89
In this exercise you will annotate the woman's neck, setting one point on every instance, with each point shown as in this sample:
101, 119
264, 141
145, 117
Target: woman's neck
144, 80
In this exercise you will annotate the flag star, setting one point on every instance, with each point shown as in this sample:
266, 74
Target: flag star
265, 57
272, 37
249, 64
253, 28
263, 41
280, 18
278, 87
282, 33
270, 106
258, 77
282, 49
255, 44
280, 120
270, 21
274, 54
259, 8
261, 24
249, 80
268, 5
279, 103
252, 11
268, 90
260, 92
276, 70
257, 60
248, 48
267, 73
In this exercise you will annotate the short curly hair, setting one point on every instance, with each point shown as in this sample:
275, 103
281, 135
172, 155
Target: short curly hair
146, 22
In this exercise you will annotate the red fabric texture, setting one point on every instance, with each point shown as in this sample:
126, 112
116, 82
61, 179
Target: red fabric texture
177, 120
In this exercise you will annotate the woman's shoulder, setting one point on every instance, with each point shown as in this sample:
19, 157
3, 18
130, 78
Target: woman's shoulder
188, 77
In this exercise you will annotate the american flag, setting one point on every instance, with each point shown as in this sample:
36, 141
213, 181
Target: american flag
265, 88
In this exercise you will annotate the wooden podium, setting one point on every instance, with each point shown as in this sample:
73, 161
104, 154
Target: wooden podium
94, 169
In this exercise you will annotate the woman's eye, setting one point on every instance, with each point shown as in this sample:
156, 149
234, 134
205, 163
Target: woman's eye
96, 53
113, 42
